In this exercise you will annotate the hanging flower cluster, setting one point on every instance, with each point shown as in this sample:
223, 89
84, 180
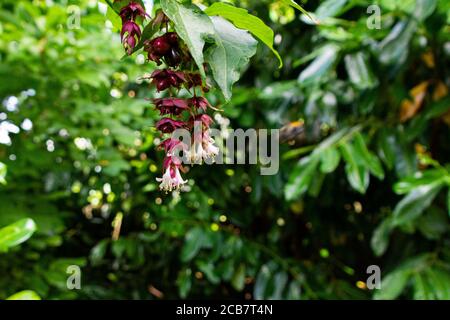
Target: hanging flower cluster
131, 32
176, 73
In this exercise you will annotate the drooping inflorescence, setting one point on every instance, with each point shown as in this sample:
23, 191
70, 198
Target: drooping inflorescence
178, 71
131, 32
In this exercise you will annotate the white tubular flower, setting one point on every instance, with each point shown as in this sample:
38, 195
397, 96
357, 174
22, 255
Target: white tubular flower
209, 149
178, 180
196, 153
166, 181
171, 179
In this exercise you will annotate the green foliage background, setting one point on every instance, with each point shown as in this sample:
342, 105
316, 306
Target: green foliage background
367, 183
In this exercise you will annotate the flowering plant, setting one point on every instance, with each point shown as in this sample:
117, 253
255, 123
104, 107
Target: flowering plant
196, 51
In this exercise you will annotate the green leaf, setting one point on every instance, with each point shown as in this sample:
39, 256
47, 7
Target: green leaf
427, 177
295, 5
392, 285
209, 271
335, 139
405, 158
330, 8
366, 158
92, 77
16, 233
118, 247
386, 147
194, 241
439, 279
123, 134
192, 25
320, 65
316, 184
398, 5
394, 48
359, 71
229, 55
357, 175
380, 238
112, 16
243, 20
238, 279
430, 111
411, 206
280, 280
98, 252
448, 201
262, 280
226, 269
329, 160
3, 170
433, 224
300, 178
184, 282
25, 295
417, 263
277, 90
294, 291
422, 288
424, 8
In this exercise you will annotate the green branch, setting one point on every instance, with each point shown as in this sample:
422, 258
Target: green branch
111, 5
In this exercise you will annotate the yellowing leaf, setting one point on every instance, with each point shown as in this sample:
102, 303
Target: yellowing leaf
408, 108
440, 91
428, 58
446, 118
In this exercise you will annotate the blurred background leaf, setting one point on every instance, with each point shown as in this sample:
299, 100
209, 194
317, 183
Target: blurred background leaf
363, 179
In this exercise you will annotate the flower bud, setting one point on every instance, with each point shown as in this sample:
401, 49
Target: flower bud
160, 46
173, 58
172, 38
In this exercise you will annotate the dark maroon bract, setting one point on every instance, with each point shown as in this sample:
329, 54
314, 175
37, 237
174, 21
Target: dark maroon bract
131, 32
172, 106
168, 125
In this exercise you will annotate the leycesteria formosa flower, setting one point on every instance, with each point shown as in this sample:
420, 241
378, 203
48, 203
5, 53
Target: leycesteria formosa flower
203, 119
193, 80
130, 35
199, 102
203, 148
210, 150
172, 106
171, 179
196, 150
168, 125
179, 72
170, 145
165, 78
131, 32
165, 46
131, 11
